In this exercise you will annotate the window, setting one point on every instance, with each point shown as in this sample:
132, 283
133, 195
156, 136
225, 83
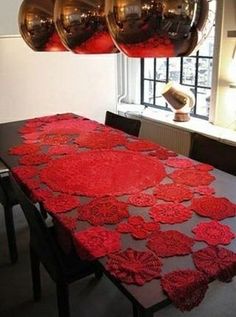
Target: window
194, 72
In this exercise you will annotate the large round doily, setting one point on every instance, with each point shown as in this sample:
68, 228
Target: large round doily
102, 173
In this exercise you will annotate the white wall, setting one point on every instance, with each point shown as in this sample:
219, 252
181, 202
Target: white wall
9, 17
35, 84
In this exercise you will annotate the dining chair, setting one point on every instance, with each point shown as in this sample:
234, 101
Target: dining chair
44, 249
8, 201
213, 152
127, 125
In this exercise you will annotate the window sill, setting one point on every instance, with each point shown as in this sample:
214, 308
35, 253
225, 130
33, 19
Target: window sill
165, 117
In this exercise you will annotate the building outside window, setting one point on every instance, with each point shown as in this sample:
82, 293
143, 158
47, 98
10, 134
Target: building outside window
194, 72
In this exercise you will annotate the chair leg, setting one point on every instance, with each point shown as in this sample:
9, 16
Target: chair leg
135, 311
63, 304
35, 271
11, 236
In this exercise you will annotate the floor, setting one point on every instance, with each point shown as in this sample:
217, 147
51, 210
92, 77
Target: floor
89, 298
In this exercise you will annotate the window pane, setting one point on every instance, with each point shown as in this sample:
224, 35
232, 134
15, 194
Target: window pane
189, 67
206, 49
161, 69
149, 68
148, 91
204, 72
174, 69
203, 101
159, 100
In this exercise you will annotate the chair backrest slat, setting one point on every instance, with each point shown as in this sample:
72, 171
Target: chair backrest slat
214, 152
127, 125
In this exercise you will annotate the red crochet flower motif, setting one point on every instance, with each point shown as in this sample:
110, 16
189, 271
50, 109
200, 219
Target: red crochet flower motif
34, 159
213, 233
32, 137
41, 194
134, 267
185, 288
216, 208
23, 149
62, 150
162, 153
170, 243
204, 190
138, 227
170, 213
100, 139
103, 210
31, 183
173, 192
141, 145
53, 139
203, 167
191, 177
24, 172
216, 263
70, 126
60, 203
96, 242
142, 200
109, 172
179, 162
27, 130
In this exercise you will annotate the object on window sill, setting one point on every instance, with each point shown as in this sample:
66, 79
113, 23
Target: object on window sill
180, 100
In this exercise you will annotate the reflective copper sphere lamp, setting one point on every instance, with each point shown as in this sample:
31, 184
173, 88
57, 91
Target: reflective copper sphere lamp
37, 27
151, 28
82, 26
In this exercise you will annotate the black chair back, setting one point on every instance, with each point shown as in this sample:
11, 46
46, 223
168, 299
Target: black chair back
42, 240
127, 125
216, 153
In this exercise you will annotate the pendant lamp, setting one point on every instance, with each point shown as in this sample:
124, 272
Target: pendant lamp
37, 27
151, 28
82, 26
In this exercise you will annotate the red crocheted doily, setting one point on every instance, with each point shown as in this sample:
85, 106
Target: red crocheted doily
191, 177
142, 200
109, 172
213, 233
23, 149
32, 137
141, 145
24, 172
216, 263
96, 242
70, 126
53, 139
216, 208
134, 267
100, 139
138, 227
204, 190
60, 203
185, 288
31, 183
103, 210
170, 213
203, 167
170, 243
34, 159
62, 150
179, 162
173, 192
41, 194
66, 222
162, 153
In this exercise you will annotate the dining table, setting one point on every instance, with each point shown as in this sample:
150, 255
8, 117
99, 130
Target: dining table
161, 225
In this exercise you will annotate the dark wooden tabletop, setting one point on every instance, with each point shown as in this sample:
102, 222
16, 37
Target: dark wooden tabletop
150, 295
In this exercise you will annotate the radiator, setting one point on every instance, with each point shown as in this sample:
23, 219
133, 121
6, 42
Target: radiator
175, 139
